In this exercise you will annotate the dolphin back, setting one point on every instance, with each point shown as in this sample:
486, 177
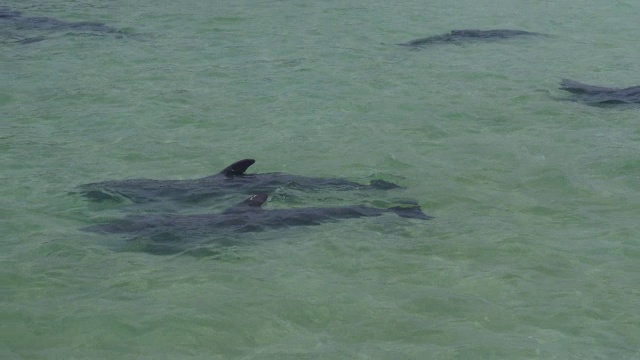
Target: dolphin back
577, 87
468, 35
411, 212
595, 95
5, 12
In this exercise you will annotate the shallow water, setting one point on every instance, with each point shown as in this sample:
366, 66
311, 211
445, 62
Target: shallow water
533, 252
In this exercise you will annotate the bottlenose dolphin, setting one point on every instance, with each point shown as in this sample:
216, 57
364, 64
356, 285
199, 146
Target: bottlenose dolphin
595, 95
174, 233
231, 179
15, 19
468, 35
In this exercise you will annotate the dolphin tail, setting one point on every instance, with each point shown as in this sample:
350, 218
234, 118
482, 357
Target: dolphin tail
237, 168
410, 212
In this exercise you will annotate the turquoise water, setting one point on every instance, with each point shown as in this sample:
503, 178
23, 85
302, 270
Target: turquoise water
534, 249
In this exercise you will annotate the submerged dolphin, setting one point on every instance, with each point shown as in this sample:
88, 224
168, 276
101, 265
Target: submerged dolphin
230, 180
170, 233
15, 19
469, 35
595, 95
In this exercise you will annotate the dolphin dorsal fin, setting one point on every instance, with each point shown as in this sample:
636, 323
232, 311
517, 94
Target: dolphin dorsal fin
253, 201
237, 168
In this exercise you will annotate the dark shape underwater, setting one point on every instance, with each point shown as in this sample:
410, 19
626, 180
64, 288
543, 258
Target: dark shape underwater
176, 233
469, 35
16, 20
229, 181
600, 95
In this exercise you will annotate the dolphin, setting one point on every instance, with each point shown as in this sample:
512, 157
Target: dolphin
469, 35
15, 19
6, 13
170, 233
600, 95
231, 179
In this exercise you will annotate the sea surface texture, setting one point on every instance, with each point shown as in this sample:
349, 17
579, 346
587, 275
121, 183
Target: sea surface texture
534, 249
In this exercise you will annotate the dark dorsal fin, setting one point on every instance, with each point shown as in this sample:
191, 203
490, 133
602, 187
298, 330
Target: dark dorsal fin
253, 201
237, 168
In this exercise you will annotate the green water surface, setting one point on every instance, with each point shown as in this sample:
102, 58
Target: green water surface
534, 250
